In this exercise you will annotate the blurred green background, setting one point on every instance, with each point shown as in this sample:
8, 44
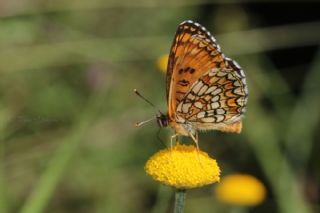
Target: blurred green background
67, 109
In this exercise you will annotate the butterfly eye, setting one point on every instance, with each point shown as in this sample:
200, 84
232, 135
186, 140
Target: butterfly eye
162, 120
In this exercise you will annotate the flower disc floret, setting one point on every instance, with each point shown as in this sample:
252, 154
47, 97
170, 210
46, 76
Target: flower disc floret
183, 167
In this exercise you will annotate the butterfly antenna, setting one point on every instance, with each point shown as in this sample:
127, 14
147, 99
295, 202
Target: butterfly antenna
146, 100
143, 122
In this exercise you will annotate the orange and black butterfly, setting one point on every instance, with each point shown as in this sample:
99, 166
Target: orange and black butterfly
205, 89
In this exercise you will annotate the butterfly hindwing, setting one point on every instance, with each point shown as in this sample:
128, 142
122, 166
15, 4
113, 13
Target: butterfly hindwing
219, 96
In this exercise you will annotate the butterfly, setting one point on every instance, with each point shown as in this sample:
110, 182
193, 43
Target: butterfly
205, 90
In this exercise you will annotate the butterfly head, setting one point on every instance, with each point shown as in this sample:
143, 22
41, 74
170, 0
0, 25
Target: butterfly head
162, 120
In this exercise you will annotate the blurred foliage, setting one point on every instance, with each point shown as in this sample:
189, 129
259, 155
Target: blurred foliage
68, 143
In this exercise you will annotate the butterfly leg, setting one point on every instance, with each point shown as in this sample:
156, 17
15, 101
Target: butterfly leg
171, 140
195, 139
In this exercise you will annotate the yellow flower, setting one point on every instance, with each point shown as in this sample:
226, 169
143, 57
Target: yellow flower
241, 189
162, 62
183, 167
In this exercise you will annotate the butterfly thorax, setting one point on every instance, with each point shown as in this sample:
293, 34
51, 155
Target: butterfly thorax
184, 129
180, 128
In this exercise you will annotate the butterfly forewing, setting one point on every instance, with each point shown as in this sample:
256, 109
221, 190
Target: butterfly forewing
185, 31
193, 53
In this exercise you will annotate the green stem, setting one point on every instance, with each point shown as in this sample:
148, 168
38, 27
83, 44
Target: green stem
179, 202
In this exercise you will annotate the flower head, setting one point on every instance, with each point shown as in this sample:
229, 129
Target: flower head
162, 62
183, 167
241, 189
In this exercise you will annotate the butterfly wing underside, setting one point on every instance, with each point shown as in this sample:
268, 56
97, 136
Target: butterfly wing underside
204, 88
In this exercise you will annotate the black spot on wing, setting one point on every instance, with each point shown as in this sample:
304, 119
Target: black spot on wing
183, 82
186, 70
